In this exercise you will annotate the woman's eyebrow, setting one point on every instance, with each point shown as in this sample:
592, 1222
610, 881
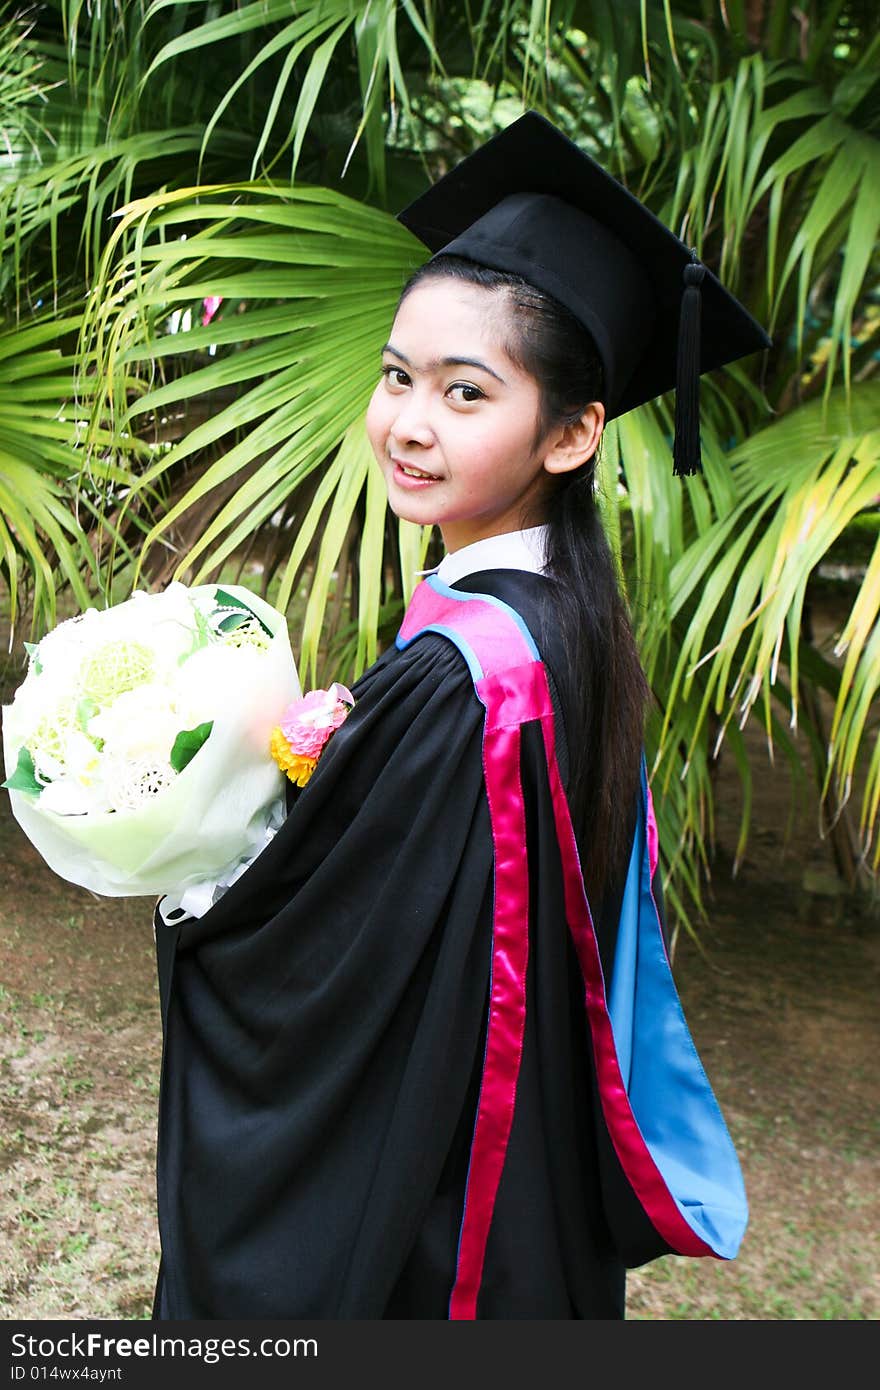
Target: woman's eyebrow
448, 362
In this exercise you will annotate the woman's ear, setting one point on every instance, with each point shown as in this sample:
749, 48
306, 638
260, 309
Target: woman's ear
571, 445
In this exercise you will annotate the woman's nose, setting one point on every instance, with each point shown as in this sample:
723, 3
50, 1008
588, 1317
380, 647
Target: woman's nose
412, 423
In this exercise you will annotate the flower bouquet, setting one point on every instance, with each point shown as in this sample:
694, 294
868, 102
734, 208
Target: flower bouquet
138, 747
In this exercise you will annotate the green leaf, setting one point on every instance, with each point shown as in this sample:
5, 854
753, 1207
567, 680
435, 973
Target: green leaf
24, 778
233, 621
188, 743
32, 648
225, 600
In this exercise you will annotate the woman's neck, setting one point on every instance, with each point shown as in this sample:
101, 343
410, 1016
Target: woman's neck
514, 550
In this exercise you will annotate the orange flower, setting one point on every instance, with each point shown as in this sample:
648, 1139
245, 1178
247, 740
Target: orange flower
306, 725
295, 765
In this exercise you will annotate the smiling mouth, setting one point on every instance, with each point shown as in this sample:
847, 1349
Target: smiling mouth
415, 472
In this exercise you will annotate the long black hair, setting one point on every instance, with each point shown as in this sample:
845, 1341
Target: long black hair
603, 683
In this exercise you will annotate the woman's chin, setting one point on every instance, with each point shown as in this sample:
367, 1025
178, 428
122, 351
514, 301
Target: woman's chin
408, 509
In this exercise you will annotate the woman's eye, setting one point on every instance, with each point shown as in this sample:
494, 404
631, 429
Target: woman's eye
469, 393
393, 376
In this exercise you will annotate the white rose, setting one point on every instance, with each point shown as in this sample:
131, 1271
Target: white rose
59, 655
214, 676
141, 724
80, 788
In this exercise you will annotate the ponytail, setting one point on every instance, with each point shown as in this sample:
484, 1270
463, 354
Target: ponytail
603, 685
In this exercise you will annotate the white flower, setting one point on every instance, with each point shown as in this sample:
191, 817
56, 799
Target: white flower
130, 782
51, 738
60, 654
140, 724
78, 785
213, 676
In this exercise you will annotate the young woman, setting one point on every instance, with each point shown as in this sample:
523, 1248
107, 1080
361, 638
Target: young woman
407, 1072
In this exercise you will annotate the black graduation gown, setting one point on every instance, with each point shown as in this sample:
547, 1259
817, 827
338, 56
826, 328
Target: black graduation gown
324, 1028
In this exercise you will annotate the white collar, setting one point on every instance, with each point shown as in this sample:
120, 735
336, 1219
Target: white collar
515, 550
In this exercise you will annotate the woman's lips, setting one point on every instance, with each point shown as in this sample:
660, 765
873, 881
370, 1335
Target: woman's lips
418, 478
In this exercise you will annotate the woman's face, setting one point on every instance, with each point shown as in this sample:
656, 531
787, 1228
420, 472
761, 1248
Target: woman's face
453, 420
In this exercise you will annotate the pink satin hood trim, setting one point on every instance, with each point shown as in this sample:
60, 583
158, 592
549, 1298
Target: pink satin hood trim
653, 837
492, 634
635, 1157
509, 699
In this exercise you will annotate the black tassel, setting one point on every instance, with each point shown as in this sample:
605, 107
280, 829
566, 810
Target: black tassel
686, 445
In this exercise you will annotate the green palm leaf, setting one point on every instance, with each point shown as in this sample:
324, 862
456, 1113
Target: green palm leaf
820, 191
301, 48
45, 519
755, 144
742, 581
302, 342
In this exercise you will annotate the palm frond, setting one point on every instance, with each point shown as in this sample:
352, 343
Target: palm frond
742, 581
818, 195
296, 52
44, 521
300, 339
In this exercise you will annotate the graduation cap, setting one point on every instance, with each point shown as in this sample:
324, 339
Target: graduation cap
531, 202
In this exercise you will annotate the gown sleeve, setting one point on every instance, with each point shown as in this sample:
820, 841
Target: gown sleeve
322, 1020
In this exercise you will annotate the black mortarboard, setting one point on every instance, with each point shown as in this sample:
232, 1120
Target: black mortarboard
531, 202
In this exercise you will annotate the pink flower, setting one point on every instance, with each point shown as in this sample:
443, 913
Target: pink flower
210, 307
308, 722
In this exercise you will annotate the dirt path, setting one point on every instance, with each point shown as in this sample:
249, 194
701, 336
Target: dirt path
782, 1004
